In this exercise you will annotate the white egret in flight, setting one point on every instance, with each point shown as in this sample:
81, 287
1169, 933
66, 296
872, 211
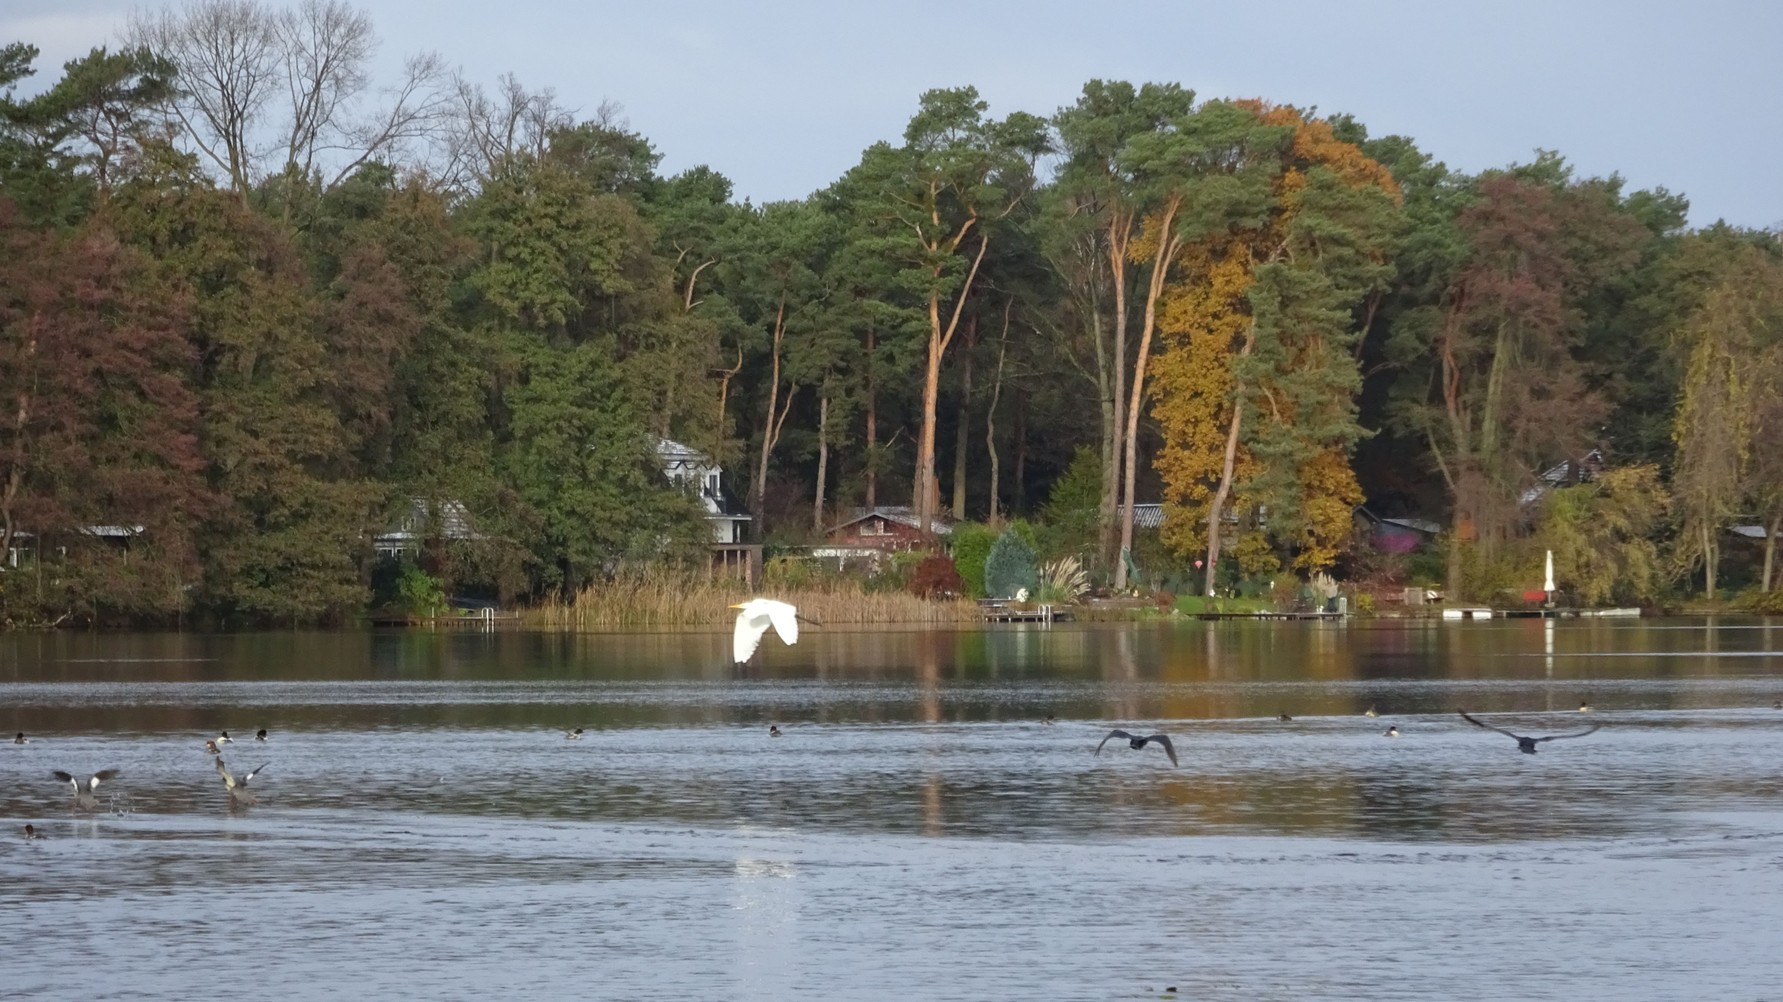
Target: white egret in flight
753, 620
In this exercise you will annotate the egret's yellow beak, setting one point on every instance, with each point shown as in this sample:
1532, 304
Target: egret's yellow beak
739, 605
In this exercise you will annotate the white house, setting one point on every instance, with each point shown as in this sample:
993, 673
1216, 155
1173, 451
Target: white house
686, 465
406, 536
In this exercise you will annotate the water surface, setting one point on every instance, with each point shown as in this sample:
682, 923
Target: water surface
919, 831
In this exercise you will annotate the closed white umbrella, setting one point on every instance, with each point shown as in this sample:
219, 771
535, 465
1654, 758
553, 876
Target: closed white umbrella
1548, 585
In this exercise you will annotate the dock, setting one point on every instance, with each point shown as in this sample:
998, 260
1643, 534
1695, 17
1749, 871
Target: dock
994, 611
478, 619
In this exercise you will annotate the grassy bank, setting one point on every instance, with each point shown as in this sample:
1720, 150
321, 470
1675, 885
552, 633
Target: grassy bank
694, 600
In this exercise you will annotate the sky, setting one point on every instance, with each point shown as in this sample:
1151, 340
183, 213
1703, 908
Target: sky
781, 96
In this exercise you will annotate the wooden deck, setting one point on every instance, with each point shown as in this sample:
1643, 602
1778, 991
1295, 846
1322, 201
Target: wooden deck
993, 611
489, 619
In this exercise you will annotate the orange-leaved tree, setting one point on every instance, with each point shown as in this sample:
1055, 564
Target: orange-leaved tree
1257, 375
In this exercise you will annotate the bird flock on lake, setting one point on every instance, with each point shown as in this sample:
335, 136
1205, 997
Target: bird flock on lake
754, 619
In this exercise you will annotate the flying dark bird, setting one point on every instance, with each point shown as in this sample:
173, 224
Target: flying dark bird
575, 735
31, 832
773, 730
20, 739
260, 735
1391, 732
1526, 745
1136, 742
239, 794
84, 798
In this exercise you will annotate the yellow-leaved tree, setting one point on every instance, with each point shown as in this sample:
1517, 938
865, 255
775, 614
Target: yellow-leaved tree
1256, 378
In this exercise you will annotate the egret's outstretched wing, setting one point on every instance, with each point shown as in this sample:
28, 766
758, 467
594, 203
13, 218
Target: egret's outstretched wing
66, 778
786, 621
1111, 736
747, 636
1489, 727
1574, 734
1169, 749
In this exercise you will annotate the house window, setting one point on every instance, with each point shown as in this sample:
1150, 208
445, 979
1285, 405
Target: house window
874, 527
712, 483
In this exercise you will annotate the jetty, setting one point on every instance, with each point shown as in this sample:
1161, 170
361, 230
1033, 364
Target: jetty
998, 611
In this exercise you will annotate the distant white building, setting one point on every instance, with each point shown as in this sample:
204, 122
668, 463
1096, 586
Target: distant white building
686, 465
416, 525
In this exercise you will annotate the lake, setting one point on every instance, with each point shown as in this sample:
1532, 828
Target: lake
919, 831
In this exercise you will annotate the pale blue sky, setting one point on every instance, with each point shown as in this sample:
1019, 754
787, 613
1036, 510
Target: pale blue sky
782, 96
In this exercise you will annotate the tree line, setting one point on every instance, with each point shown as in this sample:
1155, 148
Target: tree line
254, 301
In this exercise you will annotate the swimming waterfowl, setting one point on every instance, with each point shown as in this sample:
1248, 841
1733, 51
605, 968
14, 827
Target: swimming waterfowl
211, 746
1283, 717
1525, 744
1584, 706
1370, 713
260, 735
223, 738
575, 735
31, 832
1049, 720
773, 730
20, 739
1137, 742
83, 792
239, 794
1392, 731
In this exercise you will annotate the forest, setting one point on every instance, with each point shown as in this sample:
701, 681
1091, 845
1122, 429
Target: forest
253, 300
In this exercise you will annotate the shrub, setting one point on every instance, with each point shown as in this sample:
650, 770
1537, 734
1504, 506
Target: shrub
1073, 511
420, 593
936, 577
1764, 603
1062, 580
1010, 566
786, 572
971, 546
895, 574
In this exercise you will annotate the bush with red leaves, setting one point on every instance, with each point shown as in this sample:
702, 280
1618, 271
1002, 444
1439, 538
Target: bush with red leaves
937, 577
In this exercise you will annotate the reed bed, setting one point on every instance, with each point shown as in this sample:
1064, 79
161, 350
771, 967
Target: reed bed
697, 600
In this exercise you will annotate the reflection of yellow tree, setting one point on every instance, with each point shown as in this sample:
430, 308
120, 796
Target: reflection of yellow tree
1320, 245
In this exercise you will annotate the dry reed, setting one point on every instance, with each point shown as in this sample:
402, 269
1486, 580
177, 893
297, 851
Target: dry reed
670, 599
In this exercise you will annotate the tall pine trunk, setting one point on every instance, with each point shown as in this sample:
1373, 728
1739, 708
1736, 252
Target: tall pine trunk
995, 517
1167, 246
926, 494
823, 458
963, 422
872, 498
1770, 549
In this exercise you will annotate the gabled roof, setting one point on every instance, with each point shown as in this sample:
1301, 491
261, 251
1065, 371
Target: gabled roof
1429, 527
1146, 515
1562, 473
724, 504
902, 514
455, 521
673, 452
